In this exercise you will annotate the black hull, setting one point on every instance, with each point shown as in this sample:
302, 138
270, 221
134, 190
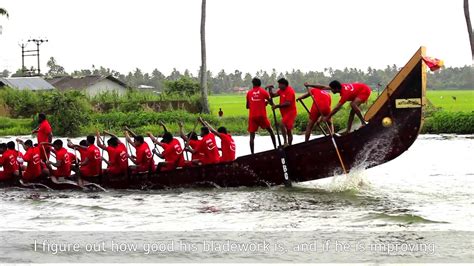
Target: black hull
369, 146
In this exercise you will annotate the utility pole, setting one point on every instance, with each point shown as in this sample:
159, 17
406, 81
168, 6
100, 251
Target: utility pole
32, 53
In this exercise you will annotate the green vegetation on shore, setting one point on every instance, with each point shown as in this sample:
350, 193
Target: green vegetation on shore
72, 114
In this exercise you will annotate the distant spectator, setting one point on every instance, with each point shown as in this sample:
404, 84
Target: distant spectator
221, 114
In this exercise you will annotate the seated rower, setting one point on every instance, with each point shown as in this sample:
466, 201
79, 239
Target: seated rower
143, 160
208, 147
81, 148
356, 93
227, 142
321, 107
191, 140
9, 162
172, 152
90, 165
63, 160
33, 170
118, 156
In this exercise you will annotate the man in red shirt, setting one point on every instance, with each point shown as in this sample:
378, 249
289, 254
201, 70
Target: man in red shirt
144, 158
8, 161
227, 142
356, 93
33, 169
257, 100
208, 147
63, 160
45, 135
172, 152
191, 140
91, 165
321, 107
118, 156
287, 108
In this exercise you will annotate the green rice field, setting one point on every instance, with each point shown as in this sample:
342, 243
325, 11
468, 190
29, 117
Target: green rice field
448, 100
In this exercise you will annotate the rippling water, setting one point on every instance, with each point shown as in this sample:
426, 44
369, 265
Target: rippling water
428, 188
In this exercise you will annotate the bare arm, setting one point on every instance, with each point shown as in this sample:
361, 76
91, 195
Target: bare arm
335, 110
130, 131
270, 91
128, 139
304, 96
153, 139
317, 86
206, 124
22, 143
99, 142
112, 135
163, 125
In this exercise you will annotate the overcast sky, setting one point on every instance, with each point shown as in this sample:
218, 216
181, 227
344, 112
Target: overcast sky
241, 34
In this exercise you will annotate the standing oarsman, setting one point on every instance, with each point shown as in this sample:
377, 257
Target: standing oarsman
321, 107
227, 142
45, 135
172, 152
356, 93
144, 158
257, 100
9, 162
33, 169
287, 108
118, 156
63, 160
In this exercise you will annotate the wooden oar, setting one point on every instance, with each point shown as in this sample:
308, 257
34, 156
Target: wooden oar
319, 125
275, 122
186, 143
330, 132
19, 166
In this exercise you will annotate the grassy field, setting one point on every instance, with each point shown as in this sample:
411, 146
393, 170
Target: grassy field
234, 104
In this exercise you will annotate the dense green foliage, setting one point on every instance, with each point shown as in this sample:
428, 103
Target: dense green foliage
450, 122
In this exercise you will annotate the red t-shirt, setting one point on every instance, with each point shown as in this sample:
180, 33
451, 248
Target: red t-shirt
32, 157
43, 131
257, 98
208, 147
9, 161
72, 156
144, 156
65, 169
228, 147
323, 99
173, 154
286, 95
118, 157
194, 144
349, 91
93, 167
82, 153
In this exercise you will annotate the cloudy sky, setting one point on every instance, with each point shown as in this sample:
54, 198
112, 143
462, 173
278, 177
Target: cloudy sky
241, 34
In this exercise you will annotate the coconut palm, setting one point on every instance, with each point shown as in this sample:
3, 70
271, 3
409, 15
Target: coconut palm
469, 26
3, 12
204, 98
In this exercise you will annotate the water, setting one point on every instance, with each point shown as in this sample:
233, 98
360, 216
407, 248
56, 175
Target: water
428, 190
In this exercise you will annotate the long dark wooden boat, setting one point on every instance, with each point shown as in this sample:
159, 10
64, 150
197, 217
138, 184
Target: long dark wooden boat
395, 120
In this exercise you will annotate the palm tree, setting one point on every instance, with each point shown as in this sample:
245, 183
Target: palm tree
3, 12
469, 26
204, 99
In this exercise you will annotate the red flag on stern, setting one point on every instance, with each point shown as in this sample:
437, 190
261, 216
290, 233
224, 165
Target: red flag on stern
433, 63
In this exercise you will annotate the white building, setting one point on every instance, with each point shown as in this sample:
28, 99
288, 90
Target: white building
91, 85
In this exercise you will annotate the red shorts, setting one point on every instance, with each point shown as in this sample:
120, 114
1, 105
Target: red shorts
5, 176
256, 122
288, 121
114, 170
314, 114
364, 95
58, 174
29, 176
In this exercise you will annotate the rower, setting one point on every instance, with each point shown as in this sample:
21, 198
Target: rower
227, 142
143, 160
118, 156
257, 100
356, 93
33, 170
63, 160
44, 134
322, 104
207, 146
172, 152
287, 108
90, 165
190, 140
8, 161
